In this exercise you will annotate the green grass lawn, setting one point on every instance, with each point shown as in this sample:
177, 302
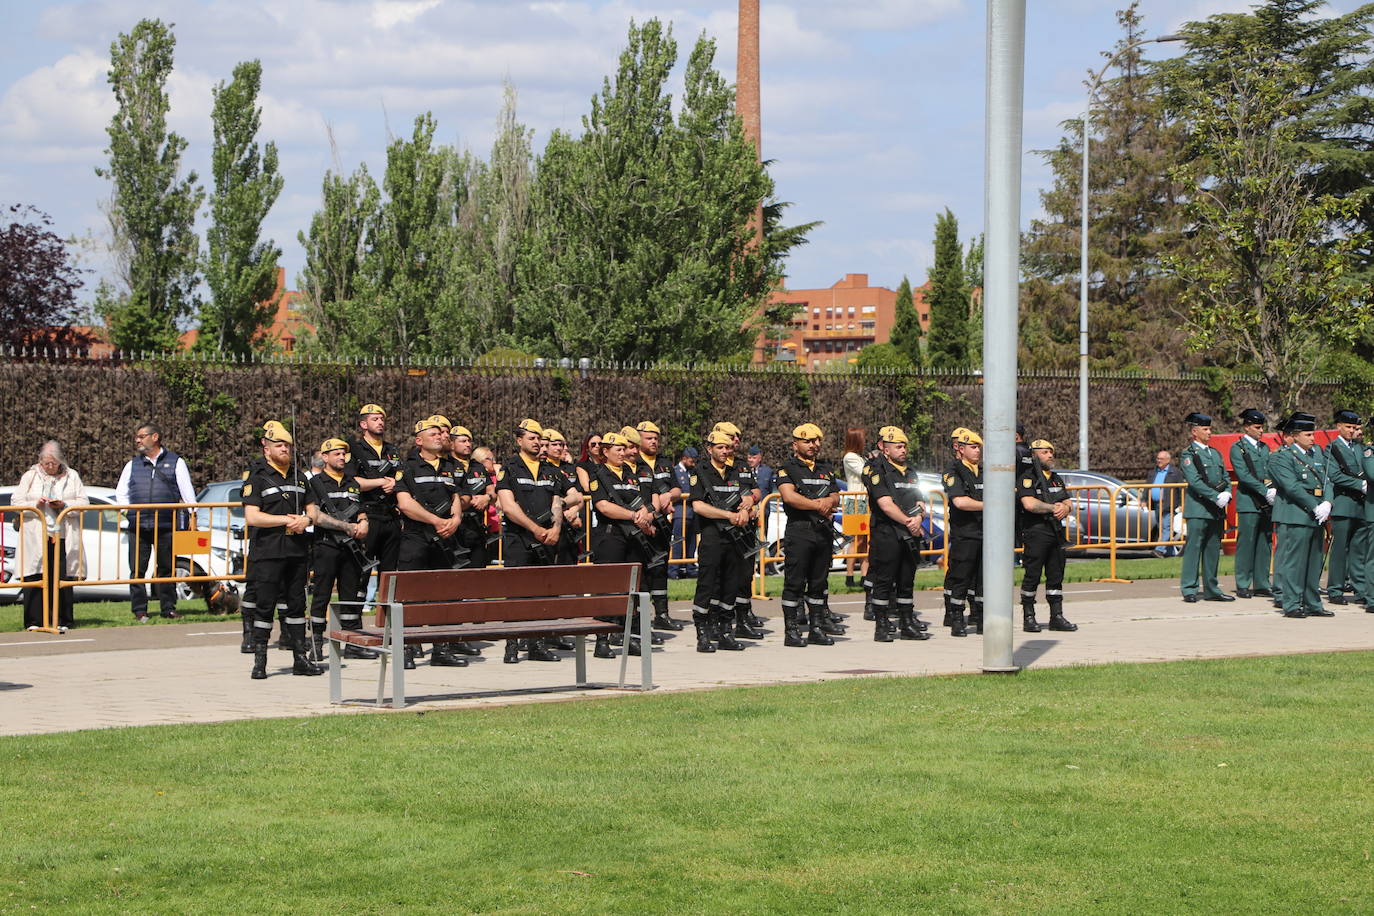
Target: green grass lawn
1218, 787
117, 613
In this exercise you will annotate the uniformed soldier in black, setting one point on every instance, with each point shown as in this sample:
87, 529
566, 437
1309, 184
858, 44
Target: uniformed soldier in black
744, 589
720, 502
809, 492
276, 506
1043, 502
334, 562
623, 517
375, 463
896, 508
964, 516
480, 490
529, 492
248, 607
666, 494
572, 546
429, 500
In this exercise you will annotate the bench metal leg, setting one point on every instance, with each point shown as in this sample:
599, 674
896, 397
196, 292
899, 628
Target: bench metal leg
335, 662
646, 646
581, 661
381, 672
395, 622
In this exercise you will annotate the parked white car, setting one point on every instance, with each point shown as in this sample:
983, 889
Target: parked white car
105, 539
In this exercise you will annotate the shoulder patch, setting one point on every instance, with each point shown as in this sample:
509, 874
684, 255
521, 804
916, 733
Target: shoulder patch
596, 485
248, 489
782, 473
501, 475
1188, 460
876, 478
692, 480
949, 480
245, 476
1026, 482
867, 470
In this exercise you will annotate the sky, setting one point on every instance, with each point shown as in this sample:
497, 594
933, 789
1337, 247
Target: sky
872, 112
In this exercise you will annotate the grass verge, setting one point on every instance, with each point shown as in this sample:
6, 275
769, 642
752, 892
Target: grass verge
1195, 787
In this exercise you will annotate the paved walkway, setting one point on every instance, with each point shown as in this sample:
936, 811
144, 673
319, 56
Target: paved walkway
194, 673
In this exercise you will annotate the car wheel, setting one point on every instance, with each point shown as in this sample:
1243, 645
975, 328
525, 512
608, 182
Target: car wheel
190, 591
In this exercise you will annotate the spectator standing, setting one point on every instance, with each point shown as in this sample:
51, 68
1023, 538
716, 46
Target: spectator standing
1164, 501
852, 464
50, 486
763, 473
155, 475
685, 525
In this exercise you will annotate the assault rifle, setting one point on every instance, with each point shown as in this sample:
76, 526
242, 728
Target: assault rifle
541, 552
456, 554
656, 557
909, 540
344, 540
745, 540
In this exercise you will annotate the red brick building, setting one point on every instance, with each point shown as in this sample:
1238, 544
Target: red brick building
832, 325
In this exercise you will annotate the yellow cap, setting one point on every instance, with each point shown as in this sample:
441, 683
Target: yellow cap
892, 434
333, 445
368, 409
441, 421
530, 426
958, 433
719, 437
613, 439
460, 431
426, 423
630, 433
275, 432
647, 427
969, 437
554, 435
725, 426
808, 431
1042, 443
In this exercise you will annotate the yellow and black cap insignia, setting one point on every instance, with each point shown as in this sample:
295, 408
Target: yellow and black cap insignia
274, 431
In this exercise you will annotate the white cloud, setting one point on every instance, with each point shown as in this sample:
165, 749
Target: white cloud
65, 103
389, 13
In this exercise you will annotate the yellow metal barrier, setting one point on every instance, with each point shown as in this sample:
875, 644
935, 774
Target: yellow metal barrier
108, 539
22, 530
937, 512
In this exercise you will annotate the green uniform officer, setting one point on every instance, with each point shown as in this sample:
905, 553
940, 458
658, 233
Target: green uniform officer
1345, 470
1254, 500
1301, 508
1364, 547
1204, 507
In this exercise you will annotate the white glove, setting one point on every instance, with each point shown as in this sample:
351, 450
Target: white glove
1270, 494
1364, 486
1321, 512
1223, 498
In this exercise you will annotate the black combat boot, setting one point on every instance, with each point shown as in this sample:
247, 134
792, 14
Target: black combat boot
949, 611
352, 651
702, 622
317, 645
512, 652
1058, 621
302, 665
817, 635
408, 657
723, 623
563, 643
539, 652
792, 627
907, 628
868, 600
955, 616
661, 619
259, 660
603, 647
976, 617
1028, 622
463, 648
754, 620
743, 629
882, 623
444, 657
246, 647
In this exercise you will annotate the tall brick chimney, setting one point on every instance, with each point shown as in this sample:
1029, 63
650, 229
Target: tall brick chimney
747, 72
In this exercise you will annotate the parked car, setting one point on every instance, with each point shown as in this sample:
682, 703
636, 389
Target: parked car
1094, 509
105, 539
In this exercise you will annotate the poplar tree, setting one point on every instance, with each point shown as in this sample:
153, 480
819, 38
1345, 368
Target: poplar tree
241, 268
947, 343
906, 325
152, 209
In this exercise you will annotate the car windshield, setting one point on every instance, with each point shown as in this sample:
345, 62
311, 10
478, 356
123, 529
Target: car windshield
226, 491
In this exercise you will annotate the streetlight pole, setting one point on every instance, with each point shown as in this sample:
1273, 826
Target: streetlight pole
1083, 249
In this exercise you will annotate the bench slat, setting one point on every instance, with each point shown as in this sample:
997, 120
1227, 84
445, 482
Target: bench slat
438, 613
518, 582
474, 632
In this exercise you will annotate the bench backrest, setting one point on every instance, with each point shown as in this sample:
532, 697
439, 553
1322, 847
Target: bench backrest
435, 597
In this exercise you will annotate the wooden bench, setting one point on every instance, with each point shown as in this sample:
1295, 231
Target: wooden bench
462, 605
